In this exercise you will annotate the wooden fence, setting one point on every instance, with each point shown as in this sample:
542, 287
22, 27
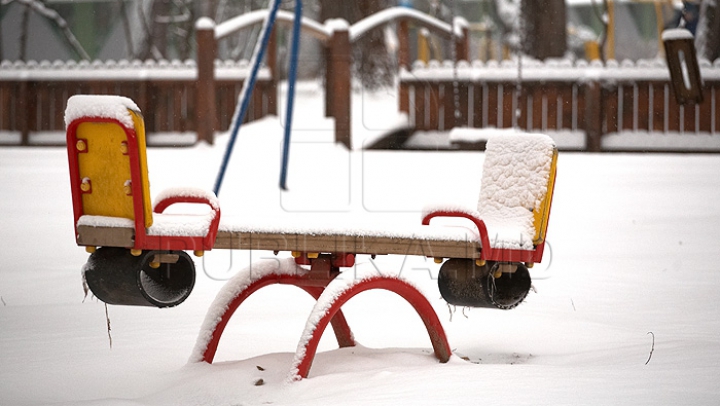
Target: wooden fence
589, 98
201, 96
33, 96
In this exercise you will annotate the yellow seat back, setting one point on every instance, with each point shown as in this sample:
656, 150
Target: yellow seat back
541, 213
111, 158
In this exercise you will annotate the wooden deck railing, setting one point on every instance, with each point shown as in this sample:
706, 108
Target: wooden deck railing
201, 97
33, 96
590, 98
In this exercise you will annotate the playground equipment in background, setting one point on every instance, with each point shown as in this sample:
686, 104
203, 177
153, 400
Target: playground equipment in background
138, 252
683, 66
244, 97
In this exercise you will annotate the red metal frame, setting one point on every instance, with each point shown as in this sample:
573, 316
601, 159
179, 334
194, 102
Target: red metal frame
305, 355
142, 240
315, 286
488, 252
343, 334
206, 243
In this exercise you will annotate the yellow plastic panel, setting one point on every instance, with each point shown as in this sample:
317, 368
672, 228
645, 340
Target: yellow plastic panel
541, 214
142, 157
107, 169
107, 165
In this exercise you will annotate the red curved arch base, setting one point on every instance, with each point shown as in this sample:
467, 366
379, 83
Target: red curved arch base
333, 302
339, 323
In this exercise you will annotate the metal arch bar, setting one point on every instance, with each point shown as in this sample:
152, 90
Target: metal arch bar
305, 354
343, 334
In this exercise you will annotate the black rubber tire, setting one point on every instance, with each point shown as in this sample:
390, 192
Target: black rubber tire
117, 277
463, 283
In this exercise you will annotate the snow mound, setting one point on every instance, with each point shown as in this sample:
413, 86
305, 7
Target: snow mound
89, 220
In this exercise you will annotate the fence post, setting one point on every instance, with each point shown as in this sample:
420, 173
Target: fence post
24, 113
329, 75
403, 35
338, 79
403, 44
593, 116
205, 86
462, 44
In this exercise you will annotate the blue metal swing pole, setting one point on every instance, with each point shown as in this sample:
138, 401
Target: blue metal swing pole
244, 102
292, 74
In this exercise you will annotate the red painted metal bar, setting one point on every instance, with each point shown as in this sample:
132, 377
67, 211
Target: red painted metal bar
343, 334
176, 242
488, 252
305, 356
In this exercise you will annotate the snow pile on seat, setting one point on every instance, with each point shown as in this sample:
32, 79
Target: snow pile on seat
89, 220
514, 183
190, 192
181, 225
184, 225
103, 106
241, 281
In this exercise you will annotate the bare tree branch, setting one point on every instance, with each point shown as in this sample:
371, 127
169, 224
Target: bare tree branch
708, 35
60, 22
24, 32
126, 28
173, 19
146, 31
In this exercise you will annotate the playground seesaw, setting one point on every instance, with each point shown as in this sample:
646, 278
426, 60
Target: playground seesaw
138, 251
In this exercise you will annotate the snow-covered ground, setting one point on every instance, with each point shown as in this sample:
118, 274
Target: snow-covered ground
634, 250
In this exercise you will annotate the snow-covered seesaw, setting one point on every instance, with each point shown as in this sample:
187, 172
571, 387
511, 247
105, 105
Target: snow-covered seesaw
138, 251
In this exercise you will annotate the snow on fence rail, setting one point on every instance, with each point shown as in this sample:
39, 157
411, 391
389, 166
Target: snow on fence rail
33, 95
557, 96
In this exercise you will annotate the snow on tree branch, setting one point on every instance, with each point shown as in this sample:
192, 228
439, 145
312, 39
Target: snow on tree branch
53, 15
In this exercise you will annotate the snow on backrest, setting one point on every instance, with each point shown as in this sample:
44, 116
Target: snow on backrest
514, 191
105, 106
104, 160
